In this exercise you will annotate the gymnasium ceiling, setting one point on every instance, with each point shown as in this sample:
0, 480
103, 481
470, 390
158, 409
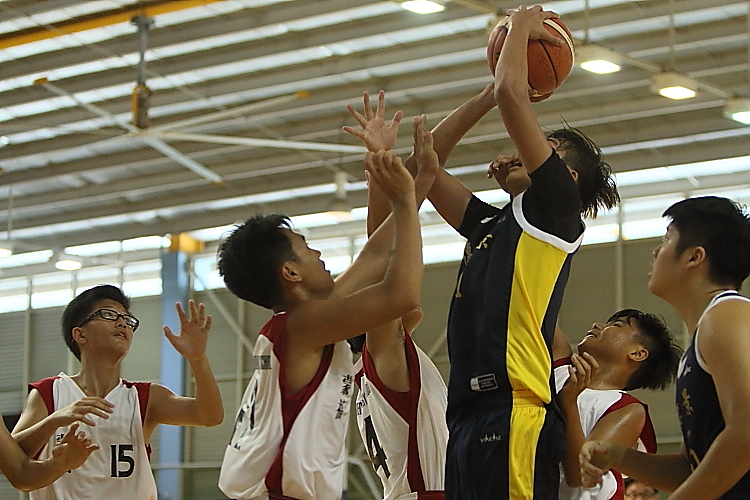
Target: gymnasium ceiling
248, 100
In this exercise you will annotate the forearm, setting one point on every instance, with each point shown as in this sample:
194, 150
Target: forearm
725, 463
574, 439
32, 474
378, 208
403, 278
33, 438
208, 405
664, 472
453, 127
512, 70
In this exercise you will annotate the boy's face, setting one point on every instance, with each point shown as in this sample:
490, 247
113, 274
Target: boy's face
611, 341
309, 266
665, 264
512, 175
101, 335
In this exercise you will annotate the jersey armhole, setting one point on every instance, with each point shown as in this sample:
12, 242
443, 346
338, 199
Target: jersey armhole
648, 434
44, 387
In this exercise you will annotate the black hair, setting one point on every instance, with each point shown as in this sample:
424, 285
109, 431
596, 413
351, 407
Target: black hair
722, 228
627, 481
659, 369
81, 308
596, 184
250, 258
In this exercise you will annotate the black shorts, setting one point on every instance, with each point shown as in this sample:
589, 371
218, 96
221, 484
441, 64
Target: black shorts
505, 453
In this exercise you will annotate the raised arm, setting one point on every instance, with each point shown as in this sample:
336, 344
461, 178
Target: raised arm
512, 88
206, 408
448, 195
27, 475
581, 372
316, 323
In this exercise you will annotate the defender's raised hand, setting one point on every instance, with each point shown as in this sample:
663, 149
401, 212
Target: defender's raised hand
81, 410
374, 133
386, 169
193, 337
424, 152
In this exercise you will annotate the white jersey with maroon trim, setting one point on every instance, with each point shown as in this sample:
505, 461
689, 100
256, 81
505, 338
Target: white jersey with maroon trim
120, 468
592, 406
405, 433
290, 446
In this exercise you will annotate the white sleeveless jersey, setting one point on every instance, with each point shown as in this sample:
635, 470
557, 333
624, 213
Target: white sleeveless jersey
405, 433
290, 446
592, 406
120, 468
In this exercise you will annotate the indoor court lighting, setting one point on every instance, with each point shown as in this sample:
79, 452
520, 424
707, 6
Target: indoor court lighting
65, 262
673, 85
738, 110
6, 249
599, 60
340, 209
423, 6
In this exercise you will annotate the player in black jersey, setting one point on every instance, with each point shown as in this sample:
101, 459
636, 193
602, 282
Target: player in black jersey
698, 268
511, 282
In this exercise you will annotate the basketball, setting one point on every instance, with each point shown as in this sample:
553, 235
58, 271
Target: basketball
549, 65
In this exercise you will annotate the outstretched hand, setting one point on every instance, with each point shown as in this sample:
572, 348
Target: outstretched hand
424, 151
375, 134
386, 169
74, 448
193, 337
532, 18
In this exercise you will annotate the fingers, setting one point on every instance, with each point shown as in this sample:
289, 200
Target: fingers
397, 117
180, 312
366, 105
357, 115
381, 104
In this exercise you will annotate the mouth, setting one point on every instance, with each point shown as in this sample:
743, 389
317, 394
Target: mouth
120, 334
592, 335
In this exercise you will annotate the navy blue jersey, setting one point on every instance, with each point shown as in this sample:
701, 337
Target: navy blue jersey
698, 407
509, 290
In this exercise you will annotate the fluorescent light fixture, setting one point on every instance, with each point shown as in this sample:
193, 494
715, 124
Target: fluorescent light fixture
340, 209
599, 60
423, 6
66, 262
673, 85
738, 110
6, 249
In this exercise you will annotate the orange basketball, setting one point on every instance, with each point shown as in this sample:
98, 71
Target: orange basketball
549, 65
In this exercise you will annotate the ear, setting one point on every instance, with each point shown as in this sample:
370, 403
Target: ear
573, 174
695, 256
78, 335
289, 272
638, 354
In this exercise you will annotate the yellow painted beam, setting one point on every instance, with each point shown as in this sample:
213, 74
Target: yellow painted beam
183, 242
100, 20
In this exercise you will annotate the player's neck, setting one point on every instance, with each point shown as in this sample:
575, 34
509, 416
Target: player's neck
609, 377
97, 378
694, 302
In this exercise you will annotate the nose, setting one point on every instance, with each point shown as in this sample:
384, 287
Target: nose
656, 250
597, 326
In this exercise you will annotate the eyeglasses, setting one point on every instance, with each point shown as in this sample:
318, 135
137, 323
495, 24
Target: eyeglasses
112, 315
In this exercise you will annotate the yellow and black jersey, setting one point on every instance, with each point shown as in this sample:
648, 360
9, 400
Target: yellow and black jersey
509, 290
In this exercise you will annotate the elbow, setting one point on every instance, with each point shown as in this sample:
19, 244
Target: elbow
22, 485
214, 419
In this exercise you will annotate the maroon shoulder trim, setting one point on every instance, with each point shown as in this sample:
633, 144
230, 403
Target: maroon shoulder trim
648, 435
44, 387
144, 392
561, 362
